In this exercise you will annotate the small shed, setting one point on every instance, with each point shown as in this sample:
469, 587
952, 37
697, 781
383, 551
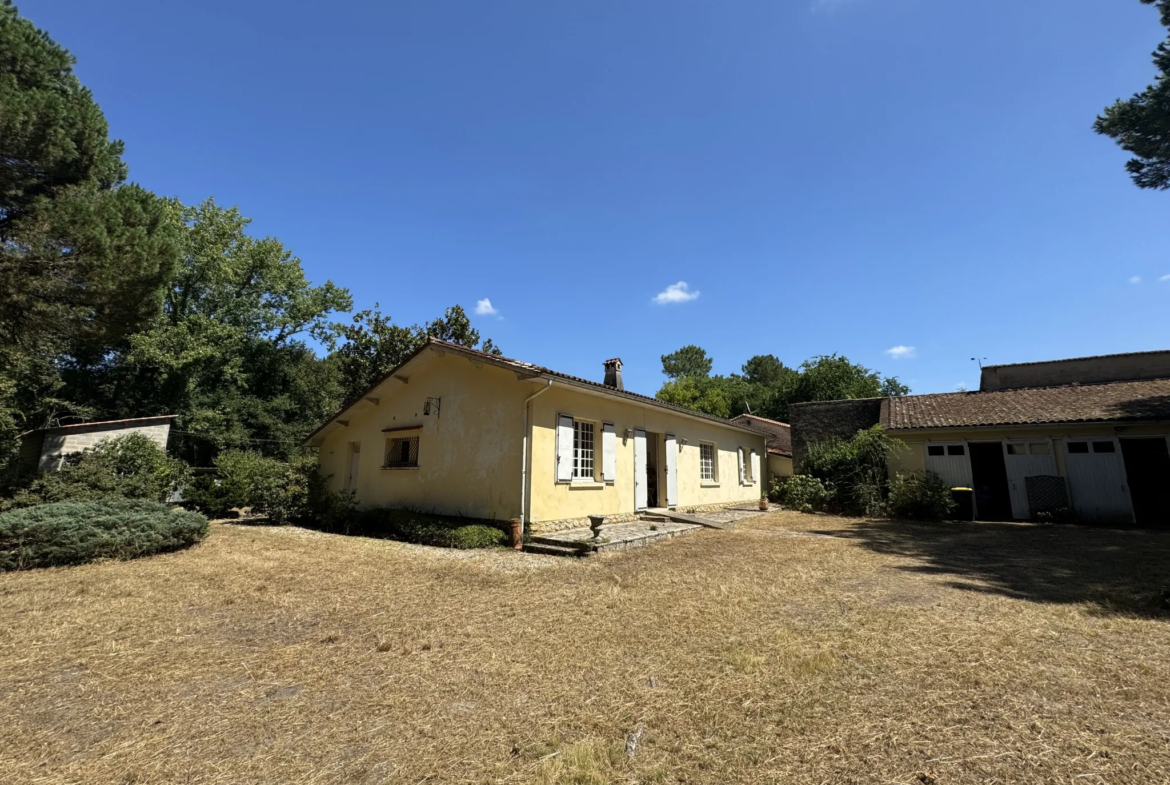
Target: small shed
45, 448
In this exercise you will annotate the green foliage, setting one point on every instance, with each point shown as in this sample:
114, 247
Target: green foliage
282, 490
920, 497
419, 528
67, 533
687, 361
125, 467
776, 489
856, 470
806, 493
372, 345
1139, 125
767, 387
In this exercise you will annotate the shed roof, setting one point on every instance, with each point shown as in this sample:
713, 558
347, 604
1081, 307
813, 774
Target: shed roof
779, 433
130, 422
1136, 401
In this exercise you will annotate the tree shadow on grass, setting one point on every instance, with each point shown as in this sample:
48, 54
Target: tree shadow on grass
1120, 571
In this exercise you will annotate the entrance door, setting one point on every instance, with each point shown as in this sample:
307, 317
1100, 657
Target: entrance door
641, 494
993, 501
671, 471
355, 455
1147, 465
1096, 480
1025, 458
653, 461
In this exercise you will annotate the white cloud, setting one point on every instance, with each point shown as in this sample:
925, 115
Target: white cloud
900, 352
1164, 278
676, 293
484, 308
1136, 279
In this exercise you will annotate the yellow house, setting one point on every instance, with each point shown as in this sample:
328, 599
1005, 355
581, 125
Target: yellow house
459, 432
779, 442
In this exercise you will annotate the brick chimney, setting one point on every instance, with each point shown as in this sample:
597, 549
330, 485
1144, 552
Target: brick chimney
613, 373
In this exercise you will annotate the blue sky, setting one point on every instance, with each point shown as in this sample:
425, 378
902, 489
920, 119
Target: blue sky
824, 175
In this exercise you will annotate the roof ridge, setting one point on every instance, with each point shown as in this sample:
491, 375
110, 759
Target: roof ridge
1074, 359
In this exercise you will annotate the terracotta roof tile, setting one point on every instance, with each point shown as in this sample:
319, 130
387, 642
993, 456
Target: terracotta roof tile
779, 433
1109, 402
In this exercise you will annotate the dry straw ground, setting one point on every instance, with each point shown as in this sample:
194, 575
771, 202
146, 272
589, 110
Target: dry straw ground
885, 653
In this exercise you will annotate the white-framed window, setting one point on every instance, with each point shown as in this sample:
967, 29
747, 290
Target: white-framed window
742, 468
584, 451
401, 453
708, 471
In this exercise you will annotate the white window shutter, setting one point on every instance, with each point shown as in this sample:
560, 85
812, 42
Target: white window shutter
755, 466
608, 452
564, 448
742, 476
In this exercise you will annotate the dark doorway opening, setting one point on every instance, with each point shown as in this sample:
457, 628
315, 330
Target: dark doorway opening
1147, 465
993, 501
651, 469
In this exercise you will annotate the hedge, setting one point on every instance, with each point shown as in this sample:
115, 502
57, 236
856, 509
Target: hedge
67, 533
421, 528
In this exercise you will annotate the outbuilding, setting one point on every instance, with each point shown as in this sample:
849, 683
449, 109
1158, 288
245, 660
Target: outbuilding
1087, 434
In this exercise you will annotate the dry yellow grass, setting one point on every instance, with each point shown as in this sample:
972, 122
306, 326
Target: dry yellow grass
885, 653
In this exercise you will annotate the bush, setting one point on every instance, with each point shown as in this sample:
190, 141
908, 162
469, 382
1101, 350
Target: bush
124, 467
420, 528
283, 490
776, 489
65, 533
807, 493
856, 470
921, 497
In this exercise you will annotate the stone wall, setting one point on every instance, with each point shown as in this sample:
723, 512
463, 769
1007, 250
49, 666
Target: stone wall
816, 422
1086, 370
59, 442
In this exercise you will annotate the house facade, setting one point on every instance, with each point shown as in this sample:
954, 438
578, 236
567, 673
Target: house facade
1088, 434
460, 432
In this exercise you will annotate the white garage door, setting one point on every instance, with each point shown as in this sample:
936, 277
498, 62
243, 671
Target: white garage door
950, 461
1096, 479
1025, 458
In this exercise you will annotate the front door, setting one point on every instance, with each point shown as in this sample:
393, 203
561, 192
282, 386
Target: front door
641, 491
1096, 479
671, 471
1025, 458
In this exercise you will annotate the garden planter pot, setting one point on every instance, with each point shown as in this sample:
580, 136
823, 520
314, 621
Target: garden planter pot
764, 504
517, 533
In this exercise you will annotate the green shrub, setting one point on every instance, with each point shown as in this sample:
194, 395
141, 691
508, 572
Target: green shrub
123, 467
855, 469
806, 493
921, 497
776, 489
283, 490
419, 528
65, 533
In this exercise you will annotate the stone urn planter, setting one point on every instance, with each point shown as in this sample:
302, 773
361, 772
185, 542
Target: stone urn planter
595, 524
764, 503
517, 533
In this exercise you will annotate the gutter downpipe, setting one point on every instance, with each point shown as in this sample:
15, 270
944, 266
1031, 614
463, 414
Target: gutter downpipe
524, 457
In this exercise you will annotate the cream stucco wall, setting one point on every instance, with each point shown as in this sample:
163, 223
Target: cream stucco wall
551, 500
779, 466
469, 455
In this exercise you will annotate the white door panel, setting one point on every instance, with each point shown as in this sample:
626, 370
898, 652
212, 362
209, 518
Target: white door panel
641, 492
671, 471
1025, 458
1097, 481
951, 462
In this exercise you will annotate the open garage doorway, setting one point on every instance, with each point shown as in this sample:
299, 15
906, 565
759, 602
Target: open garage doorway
993, 501
1147, 467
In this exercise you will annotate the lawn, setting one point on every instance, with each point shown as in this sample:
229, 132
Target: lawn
795, 649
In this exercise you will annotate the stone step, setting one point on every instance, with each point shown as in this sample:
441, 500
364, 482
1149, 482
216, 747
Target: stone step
550, 549
653, 517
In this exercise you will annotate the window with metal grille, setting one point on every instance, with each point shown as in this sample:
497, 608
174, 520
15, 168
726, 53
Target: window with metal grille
402, 453
582, 450
706, 461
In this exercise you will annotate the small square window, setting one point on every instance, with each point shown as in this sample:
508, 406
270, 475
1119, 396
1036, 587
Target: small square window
936, 449
1104, 447
955, 449
1038, 448
402, 453
1075, 448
